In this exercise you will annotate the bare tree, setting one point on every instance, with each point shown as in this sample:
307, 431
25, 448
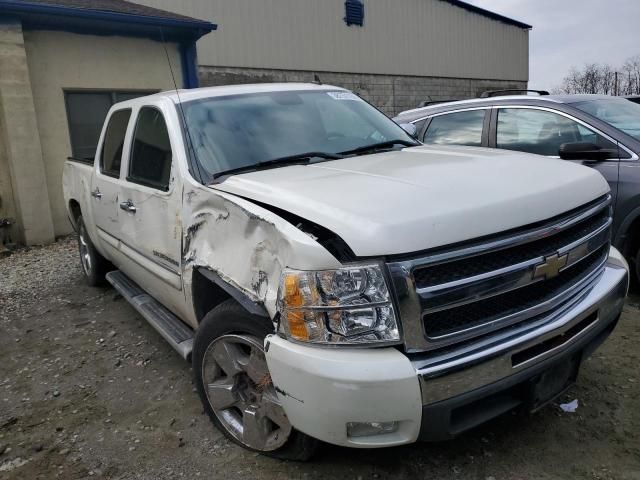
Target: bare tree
570, 83
604, 79
607, 78
631, 69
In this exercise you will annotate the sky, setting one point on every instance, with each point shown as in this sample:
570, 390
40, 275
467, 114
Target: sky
570, 33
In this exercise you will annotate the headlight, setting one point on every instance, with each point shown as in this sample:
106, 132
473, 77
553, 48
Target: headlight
349, 305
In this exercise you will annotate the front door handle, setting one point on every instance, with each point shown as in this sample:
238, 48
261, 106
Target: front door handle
128, 206
96, 193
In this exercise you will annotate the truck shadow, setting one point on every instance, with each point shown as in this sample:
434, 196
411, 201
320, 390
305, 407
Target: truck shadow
479, 445
582, 444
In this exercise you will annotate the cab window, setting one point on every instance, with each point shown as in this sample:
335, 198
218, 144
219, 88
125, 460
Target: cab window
459, 128
542, 132
151, 156
111, 155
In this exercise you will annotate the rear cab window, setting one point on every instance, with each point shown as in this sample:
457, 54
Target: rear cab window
458, 128
151, 156
113, 144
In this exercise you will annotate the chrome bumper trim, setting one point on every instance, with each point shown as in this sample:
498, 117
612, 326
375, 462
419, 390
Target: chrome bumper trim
472, 366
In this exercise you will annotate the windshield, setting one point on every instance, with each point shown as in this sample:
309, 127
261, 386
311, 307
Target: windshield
618, 112
242, 130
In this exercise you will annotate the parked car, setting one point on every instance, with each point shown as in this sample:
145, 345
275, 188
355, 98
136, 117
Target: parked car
599, 131
330, 279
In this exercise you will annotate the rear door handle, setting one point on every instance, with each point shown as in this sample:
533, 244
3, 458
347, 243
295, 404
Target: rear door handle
96, 193
128, 206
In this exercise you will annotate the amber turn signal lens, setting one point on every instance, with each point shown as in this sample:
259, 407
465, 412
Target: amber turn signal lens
297, 326
292, 294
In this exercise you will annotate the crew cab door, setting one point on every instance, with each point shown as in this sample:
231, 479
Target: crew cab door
149, 209
106, 182
540, 130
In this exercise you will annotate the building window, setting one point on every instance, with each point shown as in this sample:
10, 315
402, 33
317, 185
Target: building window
86, 112
354, 12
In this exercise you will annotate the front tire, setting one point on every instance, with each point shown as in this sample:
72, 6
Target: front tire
94, 265
637, 268
235, 387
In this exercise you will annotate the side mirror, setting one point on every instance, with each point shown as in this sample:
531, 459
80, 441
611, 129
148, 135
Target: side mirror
410, 128
585, 151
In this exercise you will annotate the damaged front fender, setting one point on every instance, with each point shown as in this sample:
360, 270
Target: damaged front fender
244, 245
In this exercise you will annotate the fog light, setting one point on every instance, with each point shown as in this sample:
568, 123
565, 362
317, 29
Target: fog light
366, 429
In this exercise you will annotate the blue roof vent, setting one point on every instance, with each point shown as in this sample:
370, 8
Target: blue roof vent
354, 12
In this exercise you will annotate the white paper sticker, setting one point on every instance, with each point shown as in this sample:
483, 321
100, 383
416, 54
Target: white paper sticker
343, 95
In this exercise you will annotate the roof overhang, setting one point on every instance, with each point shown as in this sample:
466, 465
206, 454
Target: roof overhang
100, 22
489, 14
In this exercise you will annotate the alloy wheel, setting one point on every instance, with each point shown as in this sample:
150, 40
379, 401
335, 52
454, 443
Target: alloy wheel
240, 392
85, 254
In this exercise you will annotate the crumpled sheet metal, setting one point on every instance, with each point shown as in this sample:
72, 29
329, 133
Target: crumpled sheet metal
245, 244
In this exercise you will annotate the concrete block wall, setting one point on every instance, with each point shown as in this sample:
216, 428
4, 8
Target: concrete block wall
390, 93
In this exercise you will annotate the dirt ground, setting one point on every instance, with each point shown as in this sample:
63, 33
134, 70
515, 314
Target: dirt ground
89, 390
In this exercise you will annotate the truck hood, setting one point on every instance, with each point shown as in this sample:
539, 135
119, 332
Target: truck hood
422, 197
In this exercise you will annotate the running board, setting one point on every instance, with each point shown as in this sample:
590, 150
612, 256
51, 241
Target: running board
172, 329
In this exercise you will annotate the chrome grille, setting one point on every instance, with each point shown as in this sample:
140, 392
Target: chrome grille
449, 321
456, 270
453, 295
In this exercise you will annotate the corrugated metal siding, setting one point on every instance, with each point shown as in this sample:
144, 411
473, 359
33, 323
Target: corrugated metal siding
400, 37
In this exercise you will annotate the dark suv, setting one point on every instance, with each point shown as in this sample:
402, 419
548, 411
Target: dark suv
600, 131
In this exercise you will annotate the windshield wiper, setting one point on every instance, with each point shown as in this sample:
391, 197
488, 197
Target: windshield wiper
297, 159
379, 146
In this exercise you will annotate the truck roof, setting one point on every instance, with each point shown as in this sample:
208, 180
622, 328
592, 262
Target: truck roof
185, 95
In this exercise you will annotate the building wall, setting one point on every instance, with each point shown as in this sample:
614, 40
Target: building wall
7, 204
60, 60
431, 38
390, 93
21, 158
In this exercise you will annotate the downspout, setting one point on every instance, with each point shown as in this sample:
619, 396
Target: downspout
189, 61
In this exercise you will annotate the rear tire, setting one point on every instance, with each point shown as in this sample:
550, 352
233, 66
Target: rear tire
94, 265
235, 387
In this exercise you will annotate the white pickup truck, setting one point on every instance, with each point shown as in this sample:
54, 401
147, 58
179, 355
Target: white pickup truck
332, 279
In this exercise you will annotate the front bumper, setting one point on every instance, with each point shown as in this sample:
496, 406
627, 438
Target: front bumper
434, 397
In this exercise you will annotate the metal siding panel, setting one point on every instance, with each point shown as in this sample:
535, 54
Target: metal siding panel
401, 37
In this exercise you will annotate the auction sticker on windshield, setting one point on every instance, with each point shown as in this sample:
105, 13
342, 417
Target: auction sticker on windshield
343, 95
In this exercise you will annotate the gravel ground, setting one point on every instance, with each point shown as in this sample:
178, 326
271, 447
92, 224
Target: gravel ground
89, 390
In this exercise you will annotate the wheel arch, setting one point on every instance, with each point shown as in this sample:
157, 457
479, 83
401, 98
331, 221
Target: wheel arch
74, 212
627, 238
209, 290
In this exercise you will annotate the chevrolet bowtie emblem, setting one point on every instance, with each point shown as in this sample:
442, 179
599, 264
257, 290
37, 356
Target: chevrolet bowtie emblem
551, 266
